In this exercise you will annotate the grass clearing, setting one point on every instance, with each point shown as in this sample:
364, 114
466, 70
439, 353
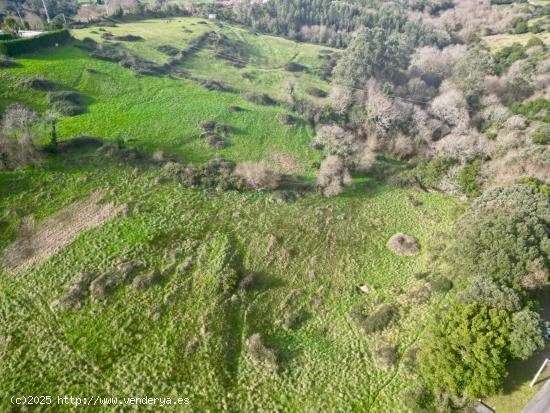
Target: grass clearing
181, 327
321, 347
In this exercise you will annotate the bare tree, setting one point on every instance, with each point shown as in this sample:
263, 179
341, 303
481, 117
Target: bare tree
257, 176
332, 175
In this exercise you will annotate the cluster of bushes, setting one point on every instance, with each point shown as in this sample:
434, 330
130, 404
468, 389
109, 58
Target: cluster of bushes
315, 91
294, 67
218, 85
508, 55
224, 175
39, 83
216, 173
112, 53
16, 138
32, 44
376, 321
123, 38
502, 247
427, 173
258, 98
233, 52
213, 133
66, 103
7, 36
168, 50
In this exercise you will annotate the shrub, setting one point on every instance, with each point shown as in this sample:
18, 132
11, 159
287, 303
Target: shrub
534, 42
66, 103
32, 44
441, 284
536, 183
315, 91
508, 55
215, 85
260, 354
38, 83
542, 136
519, 218
146, 280
491, 136
527, 334
5, 63
468, 179
257, 176
486, 292
332, 175
258, 98
207, 124
294, 67
403, 245
215, 141
216, 173
430, 172
76, 291
466, 352
385, 356
105, 284
285, 118
65, 95
378, 320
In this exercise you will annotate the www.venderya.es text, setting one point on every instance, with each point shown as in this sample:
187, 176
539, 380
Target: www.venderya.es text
99, 401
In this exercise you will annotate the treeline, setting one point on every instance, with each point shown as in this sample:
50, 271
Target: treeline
27, 45
495, 317
326, 21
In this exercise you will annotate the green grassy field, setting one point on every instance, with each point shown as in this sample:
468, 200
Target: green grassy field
499, 41
181, 336
116, 348
263, 55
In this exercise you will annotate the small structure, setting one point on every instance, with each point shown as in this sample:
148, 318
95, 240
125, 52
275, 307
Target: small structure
540, 401
481, 407
212, 17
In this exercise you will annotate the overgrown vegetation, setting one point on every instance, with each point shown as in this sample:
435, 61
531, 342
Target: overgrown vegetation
206, 241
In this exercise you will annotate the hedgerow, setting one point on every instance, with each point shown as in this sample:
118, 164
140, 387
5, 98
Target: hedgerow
32, 44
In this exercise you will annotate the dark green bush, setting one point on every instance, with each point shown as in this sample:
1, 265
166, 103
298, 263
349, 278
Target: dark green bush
7, 36
536, 183
315, 91
538, 109
508, 55
38, 83
32, 44
429, 173
502, 235
491, 136
466, 351
468, 179
542, 136
485, 291
378, 320
441, 284
534, 41
294, 67
258, 98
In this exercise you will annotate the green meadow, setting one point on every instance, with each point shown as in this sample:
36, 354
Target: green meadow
183, 335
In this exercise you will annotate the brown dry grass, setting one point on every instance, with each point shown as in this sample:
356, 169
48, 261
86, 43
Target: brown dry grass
37, 245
